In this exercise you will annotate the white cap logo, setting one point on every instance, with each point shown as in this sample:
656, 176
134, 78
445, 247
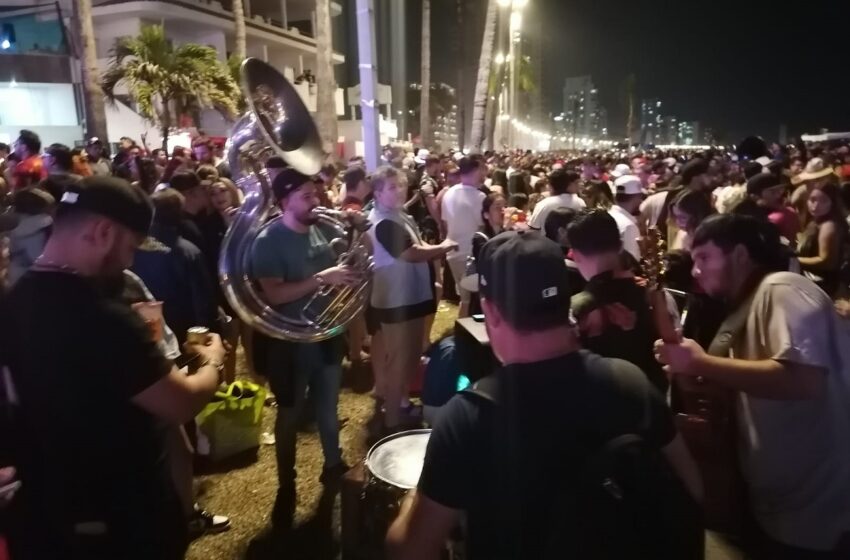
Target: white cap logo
550, 292
70, 197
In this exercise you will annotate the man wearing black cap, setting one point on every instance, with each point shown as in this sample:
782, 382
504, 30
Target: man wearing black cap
58, 163
290, 260
94, 392
769, 191
502, 464
98, 162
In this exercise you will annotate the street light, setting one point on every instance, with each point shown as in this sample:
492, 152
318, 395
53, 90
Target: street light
516, 22
500, 58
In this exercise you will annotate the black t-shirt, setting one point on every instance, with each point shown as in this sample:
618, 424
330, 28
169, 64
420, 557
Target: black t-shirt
628, 335
508, 484
394, 238
85, 452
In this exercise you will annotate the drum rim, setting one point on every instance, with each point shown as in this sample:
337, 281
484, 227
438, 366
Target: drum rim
389, 438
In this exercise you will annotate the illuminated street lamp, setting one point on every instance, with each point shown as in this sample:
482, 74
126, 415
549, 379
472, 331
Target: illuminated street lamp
514, 34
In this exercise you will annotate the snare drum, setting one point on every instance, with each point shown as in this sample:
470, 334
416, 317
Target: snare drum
393, 466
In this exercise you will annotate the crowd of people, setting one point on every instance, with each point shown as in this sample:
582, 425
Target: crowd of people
545, 248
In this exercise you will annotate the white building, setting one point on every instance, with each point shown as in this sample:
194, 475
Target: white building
40, 67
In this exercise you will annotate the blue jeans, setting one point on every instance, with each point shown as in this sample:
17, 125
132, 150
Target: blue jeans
319, 368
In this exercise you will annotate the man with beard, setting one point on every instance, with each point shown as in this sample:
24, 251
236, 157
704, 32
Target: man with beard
783, 358
290, 260
94, 392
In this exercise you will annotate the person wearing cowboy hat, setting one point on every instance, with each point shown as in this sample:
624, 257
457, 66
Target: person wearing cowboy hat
816, 173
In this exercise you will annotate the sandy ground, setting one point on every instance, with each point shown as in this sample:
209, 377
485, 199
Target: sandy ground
245, 489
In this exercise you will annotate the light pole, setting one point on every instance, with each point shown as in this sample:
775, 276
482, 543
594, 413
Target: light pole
514, 30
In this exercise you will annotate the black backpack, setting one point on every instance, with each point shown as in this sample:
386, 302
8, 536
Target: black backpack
624, 502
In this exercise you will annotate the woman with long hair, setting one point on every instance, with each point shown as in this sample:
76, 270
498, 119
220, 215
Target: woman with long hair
225, 199
493, 215
823, 244
688, 209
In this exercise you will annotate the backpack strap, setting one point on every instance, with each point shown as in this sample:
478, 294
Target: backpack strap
485, 389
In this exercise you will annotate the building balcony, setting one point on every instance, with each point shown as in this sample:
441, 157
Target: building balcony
269, 24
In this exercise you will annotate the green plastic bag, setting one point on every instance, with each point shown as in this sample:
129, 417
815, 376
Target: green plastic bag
233, 420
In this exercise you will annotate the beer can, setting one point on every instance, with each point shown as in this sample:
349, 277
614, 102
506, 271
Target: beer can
197, 335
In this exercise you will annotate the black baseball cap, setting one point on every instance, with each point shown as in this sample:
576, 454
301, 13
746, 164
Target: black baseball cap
111, 198
525, 276
763, 181
287, 181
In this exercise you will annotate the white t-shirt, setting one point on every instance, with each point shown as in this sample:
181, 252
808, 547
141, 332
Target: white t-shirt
650, 209
545, 206
461, 210
629, 232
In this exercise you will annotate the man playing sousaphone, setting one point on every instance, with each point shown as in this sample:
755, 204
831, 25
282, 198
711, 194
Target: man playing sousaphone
290, 260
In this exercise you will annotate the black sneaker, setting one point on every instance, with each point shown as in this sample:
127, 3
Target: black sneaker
334, 473
283, 513
204, 523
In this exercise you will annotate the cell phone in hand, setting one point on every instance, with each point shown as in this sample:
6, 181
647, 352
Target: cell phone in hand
184, 360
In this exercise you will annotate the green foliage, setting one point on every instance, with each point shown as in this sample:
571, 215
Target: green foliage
161, 78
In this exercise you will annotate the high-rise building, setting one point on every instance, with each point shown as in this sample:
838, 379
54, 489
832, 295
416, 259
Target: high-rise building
601, 125
708, 137
670, 130
689, 133
651, 121
583, 117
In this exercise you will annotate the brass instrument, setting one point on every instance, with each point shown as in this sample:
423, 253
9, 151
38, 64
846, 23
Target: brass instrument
278, 124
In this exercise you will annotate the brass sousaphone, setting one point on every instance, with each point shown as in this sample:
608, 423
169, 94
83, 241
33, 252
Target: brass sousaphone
278, 124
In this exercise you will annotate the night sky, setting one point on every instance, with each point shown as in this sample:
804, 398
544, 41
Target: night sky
738, 67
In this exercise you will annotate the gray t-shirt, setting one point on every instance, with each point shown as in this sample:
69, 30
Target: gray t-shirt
795, 455
279, 252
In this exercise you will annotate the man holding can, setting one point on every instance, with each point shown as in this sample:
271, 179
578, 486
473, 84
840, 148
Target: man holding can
93, 392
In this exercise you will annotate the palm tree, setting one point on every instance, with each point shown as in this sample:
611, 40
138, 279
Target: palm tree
425, 105
441, 101
239, 22
627, 100
460, 54
92, 94
479, 105
165, 81
325, 82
